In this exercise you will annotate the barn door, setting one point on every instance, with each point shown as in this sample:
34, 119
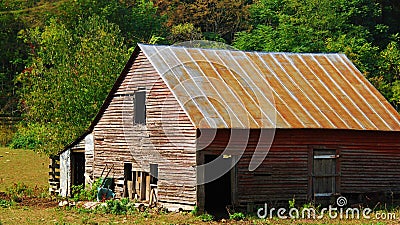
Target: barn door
78, 168
324, 172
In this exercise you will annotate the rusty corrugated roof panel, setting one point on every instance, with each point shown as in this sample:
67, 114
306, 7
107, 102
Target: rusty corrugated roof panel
235, 89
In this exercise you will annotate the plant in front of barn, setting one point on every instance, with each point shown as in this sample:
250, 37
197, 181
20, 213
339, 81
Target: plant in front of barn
117, 207
195, 211
292, 203
206, 217
80, 193
237, 216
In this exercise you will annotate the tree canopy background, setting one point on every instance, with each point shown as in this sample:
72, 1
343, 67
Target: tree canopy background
60, 58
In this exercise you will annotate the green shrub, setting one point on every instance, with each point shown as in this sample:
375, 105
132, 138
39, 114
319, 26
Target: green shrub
5, 204
237, 216
292, 203
195, 211
117, 207
18, 191
80, 193
206, 217
28, 137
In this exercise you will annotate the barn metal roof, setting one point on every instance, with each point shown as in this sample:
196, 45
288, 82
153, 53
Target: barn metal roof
236, 89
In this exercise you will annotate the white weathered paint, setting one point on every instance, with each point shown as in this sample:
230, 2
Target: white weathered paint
65, 173
89, 153
89, 145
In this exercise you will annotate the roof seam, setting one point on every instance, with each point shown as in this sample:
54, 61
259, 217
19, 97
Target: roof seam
368, 89
216, 111
305, 94
350, 97
255, 85
340, 102
287, 89
276, 76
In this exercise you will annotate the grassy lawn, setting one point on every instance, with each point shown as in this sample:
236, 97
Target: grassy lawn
25, 166
35, 215
54, 215
32, 169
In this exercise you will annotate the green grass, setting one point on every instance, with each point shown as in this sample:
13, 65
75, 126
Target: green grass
36, 215
24, 166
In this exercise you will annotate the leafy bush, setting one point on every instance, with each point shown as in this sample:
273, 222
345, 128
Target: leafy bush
292, 203
237, 216
195, 211
206, 217
27, 137
5, 204
18, 191
117, 207
79, 192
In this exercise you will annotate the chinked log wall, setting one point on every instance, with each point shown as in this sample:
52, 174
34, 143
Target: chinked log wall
168, 138
369, 162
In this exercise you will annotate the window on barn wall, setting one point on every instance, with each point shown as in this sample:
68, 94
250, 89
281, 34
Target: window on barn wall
154, 173
140, 106
325, 171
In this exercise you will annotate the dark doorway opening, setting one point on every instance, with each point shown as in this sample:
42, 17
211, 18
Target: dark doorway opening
128, 181
218, 193
78, 168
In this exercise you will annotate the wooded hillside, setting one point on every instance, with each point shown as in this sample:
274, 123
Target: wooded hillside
59, 58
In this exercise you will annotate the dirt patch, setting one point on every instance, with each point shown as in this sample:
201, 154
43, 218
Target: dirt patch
39, 202
32, 201
4, 196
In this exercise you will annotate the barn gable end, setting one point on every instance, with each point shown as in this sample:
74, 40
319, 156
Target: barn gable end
167, 138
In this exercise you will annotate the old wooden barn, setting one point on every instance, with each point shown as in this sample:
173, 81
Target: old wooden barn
301, 126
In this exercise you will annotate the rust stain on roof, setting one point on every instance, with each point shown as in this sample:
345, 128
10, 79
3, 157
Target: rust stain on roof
235, 89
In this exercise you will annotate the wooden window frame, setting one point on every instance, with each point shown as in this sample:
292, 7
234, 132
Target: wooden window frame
139, 99
311, 148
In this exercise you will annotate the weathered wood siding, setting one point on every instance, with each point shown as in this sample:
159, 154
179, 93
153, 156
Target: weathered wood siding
168, 138
369, 161
89, 156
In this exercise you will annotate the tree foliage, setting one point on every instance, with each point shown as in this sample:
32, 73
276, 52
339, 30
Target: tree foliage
69, 53
71, 72
12, 52
215, 18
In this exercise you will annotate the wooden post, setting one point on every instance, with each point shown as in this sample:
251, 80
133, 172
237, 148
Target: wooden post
130, 189
142, 186
148, 189
137, 185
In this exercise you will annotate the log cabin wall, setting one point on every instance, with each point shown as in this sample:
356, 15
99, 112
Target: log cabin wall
368, 162
65, 178
167, 139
